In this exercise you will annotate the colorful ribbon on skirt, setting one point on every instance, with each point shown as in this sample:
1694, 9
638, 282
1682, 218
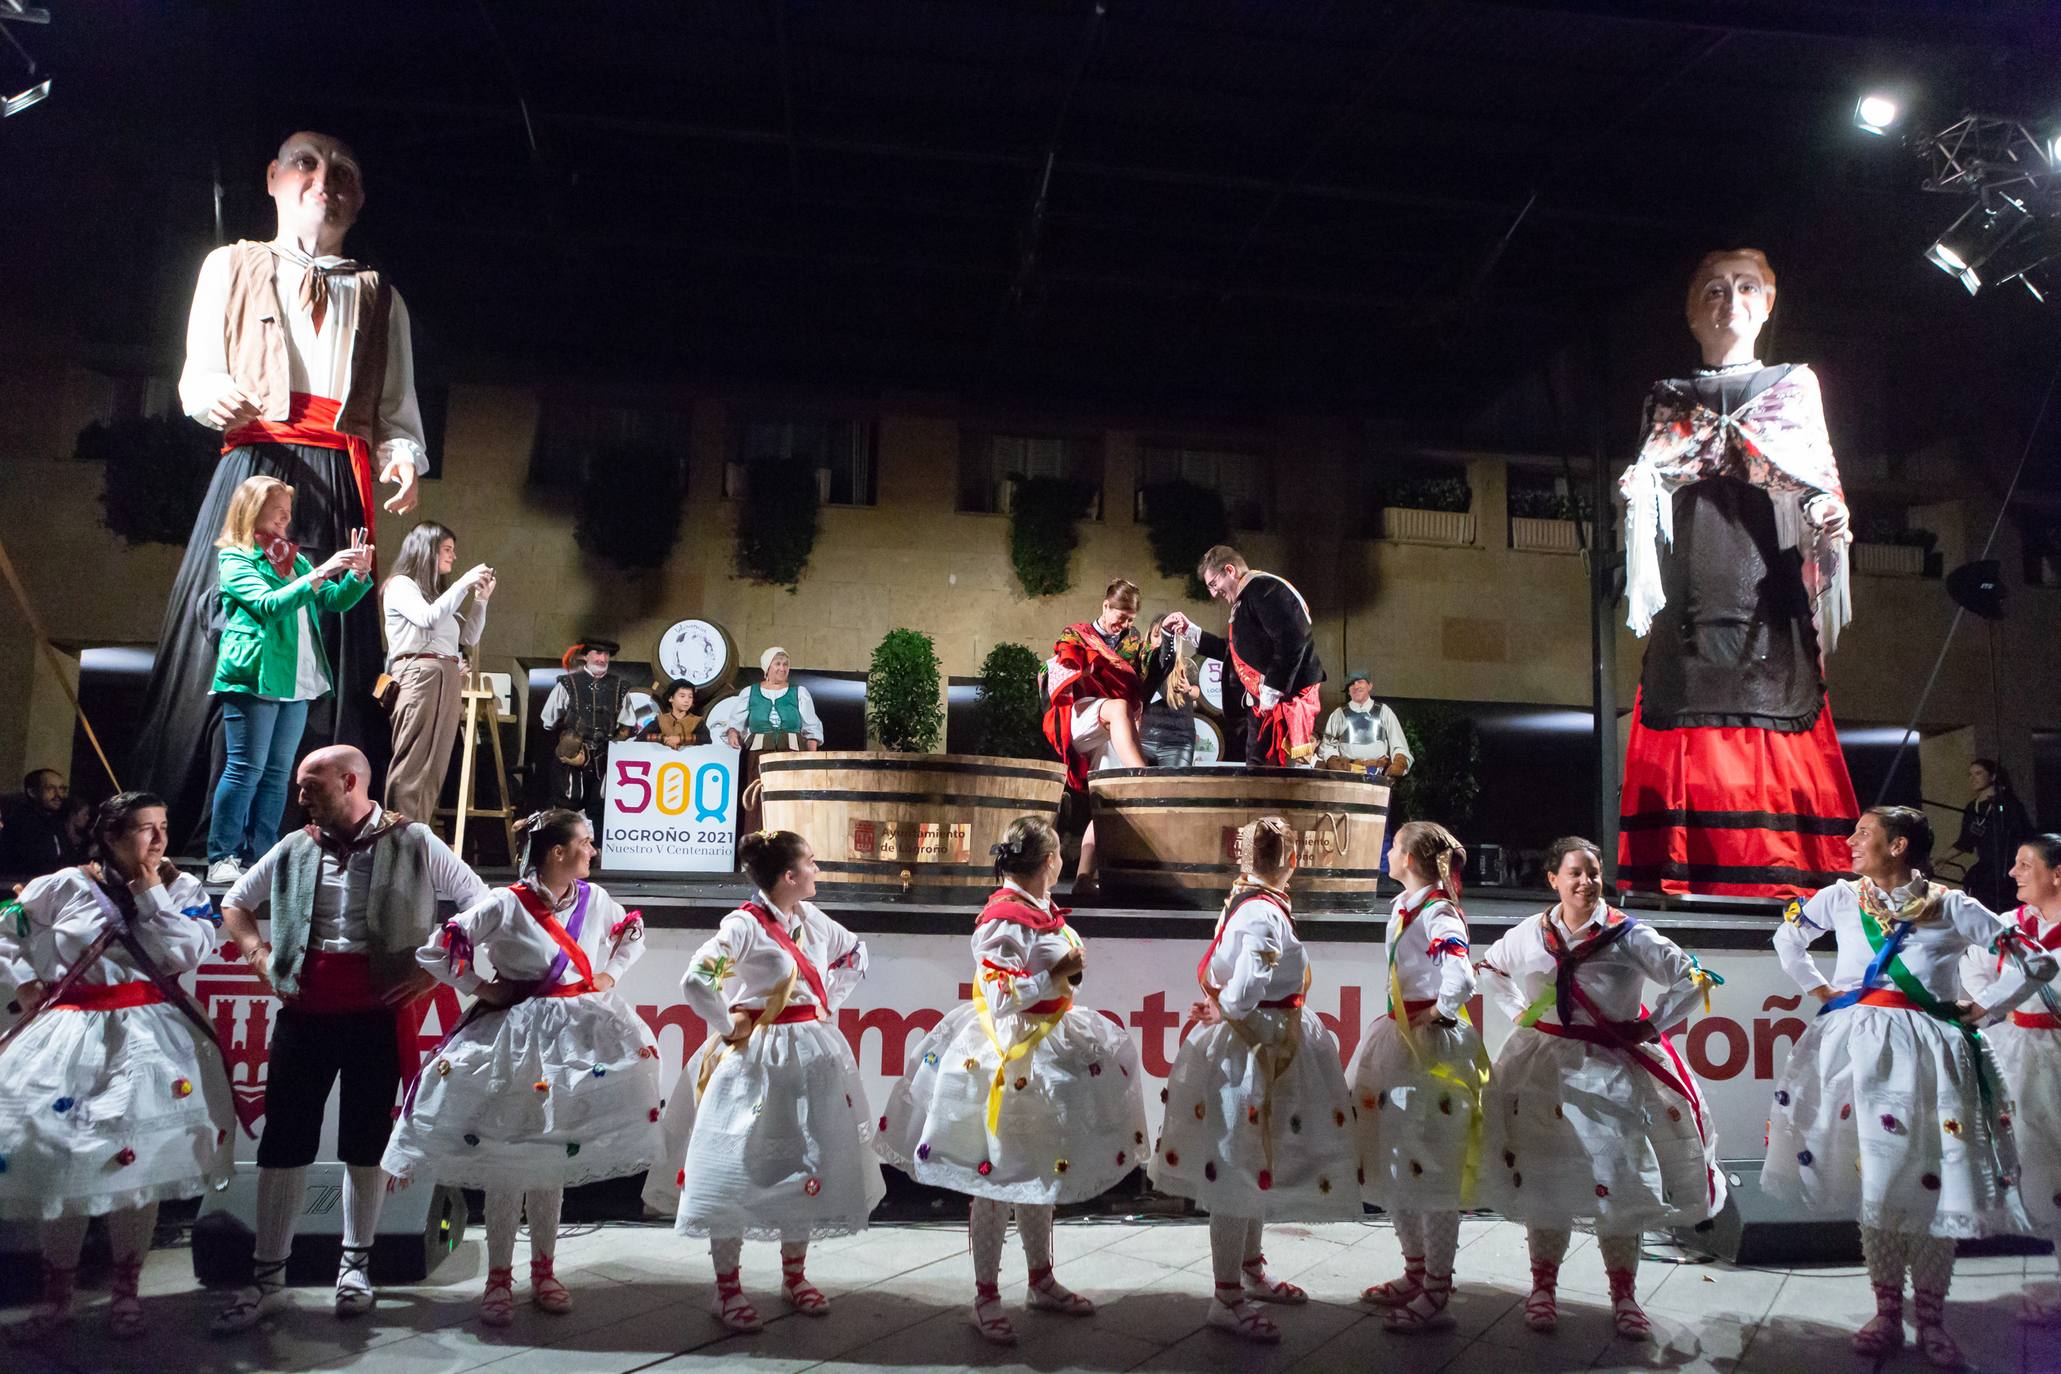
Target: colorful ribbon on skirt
1472, 1085
1007, 1055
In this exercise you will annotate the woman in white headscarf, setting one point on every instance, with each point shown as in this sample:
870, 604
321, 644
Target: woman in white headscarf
772, 716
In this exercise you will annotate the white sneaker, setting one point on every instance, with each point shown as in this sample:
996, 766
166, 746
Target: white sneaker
224, 872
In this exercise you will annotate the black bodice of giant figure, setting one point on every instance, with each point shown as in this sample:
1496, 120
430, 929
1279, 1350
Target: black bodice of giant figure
1735, 645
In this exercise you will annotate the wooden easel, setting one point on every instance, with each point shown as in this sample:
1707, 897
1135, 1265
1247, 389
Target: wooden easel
478, 696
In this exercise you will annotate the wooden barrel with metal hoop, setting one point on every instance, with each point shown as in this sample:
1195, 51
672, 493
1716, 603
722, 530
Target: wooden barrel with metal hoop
1163, 836
905, 824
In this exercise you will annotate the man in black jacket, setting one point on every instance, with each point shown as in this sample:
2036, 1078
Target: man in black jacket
1268, 648
33, 842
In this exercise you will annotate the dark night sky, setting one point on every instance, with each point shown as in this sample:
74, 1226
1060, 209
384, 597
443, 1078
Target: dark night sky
1407, 212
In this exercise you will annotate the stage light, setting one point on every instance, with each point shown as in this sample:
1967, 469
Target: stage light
34, 95
1976, 236
1875, 113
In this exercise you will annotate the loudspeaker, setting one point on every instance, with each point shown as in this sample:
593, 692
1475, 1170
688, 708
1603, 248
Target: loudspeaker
418, 1226
1754, 1228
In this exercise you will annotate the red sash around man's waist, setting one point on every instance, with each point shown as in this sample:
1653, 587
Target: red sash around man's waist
311, 420
2036, 1020
109, 996
1888, 997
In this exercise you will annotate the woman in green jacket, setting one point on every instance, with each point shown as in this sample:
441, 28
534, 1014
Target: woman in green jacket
271, 663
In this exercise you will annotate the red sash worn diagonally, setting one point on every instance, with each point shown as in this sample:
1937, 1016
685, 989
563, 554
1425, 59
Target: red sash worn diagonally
771, 925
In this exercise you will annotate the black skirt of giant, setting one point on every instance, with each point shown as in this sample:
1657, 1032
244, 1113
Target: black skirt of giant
179, 748
1735, 645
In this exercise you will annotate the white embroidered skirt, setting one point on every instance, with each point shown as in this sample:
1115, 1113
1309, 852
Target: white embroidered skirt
2030, 1059
1214, 1144
1880, 1117
552, 1092
778, 1148
1574, 1135
1072, 1121
104, 1110
1413, 1124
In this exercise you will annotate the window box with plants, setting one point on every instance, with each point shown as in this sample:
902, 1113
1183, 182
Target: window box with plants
1889, 548
1426, 509
1543, 521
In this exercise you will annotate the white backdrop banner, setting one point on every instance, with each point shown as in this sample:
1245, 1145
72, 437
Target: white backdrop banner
1145, 986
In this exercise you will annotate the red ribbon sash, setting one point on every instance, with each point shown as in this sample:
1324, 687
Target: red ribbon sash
311, 420
780, 937
540, 912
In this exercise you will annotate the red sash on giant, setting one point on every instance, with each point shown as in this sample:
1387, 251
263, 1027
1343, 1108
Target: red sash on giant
771, 925
1088, 668
311, 420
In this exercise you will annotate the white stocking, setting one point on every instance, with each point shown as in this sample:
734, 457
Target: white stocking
543, 1206
364, 1192
725, 1251
1547, 1245
1887, 1255
1227, 1239
1439, 1234
987, 1224
504, 1217
1034, 1225
280, 1194
129, 1230
63, 1238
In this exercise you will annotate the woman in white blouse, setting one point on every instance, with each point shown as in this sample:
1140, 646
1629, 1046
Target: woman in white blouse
432, 620
112, 1099
2028, 1047
1258, 1124
1019, 1098
1591, 1118
1418, 1077
1890, 1109
767, 1133
550, 1080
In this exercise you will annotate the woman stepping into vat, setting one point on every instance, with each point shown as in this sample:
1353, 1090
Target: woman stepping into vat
1018, 1097
1258, 1121
767, 1131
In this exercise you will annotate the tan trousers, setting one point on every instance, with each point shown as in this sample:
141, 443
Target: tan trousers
425, 727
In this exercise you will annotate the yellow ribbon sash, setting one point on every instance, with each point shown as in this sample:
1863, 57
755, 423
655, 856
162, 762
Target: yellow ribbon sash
1009, 1054
1471, 1085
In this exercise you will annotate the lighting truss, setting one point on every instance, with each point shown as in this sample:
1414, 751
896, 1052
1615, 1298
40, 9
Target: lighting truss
18, 12
2011, 174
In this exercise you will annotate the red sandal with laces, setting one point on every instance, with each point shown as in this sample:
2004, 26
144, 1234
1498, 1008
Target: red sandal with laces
731, 1307
497, 1304
987, 1316
1398, 1292
125, 1312
803, 1296
1426, 1310
1625, 1312
1940, 1349
1261, 1288
547, 1294
1542, 1308
1230, 1311
1884, 1333
1048, 1294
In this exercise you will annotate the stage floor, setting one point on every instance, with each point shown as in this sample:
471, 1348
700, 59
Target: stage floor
898, 1293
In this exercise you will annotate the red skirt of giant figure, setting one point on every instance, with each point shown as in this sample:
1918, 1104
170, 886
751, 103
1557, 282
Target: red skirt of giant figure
1734, 811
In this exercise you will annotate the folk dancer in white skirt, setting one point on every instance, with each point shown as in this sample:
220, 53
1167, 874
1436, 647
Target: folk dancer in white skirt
550, 1079
1890, 1109
1018, 1097
1417, 1079
1257, 1126
113, 1096
1591, 1118
767, 1133
2027, 1046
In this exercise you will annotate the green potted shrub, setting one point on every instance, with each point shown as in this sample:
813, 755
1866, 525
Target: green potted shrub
1445, 767
776, 522
1541, 518
1044, 529
902, 689
1009, 715
1183, 521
